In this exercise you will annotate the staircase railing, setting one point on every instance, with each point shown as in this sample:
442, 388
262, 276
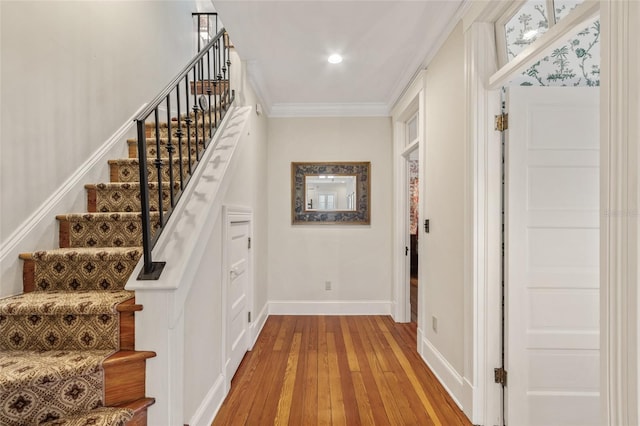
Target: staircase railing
201, 94
206, 27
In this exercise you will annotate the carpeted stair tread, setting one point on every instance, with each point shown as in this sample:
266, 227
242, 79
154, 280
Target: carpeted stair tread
85, 253
63, 302
43, 320
98, 216
122, 229
104, 416
183, 121
81, 268
125, 196
44, 385
128, 169
152, 147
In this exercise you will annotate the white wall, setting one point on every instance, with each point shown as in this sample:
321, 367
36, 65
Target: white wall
72, 74
356, 259
442, 250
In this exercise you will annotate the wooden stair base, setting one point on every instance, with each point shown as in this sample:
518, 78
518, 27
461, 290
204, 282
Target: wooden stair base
139, 407
124, 377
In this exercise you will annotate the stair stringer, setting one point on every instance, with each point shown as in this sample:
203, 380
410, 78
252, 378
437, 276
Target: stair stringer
161, 325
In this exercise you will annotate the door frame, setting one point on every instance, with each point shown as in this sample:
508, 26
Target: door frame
234, 214
412, 103
619, 204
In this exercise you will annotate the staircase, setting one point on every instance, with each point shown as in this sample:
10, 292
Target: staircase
67, 344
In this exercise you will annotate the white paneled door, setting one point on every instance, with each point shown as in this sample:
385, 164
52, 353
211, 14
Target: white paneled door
552, 257
237, 294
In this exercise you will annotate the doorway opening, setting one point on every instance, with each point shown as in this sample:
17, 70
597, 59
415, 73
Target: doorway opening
413, 185
411, 155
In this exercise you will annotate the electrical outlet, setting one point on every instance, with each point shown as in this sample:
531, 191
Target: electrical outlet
434, 323
327, 285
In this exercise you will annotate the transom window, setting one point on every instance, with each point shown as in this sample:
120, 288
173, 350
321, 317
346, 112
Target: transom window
412, 130
526, 22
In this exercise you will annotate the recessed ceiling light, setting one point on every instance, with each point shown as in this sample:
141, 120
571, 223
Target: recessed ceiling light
335, 59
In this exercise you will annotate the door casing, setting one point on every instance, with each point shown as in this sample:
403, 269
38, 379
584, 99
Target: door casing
234, 214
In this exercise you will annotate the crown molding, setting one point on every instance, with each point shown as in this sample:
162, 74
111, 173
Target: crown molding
423, 59
377, 109
259, 85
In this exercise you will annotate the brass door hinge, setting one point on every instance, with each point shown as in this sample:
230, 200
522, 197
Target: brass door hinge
502, 122
500, 376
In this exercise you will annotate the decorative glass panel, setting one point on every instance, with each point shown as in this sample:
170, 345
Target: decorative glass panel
531, 21
412, 129
574, 63
563, 7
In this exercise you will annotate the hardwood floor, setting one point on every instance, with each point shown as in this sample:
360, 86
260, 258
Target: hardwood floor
336, 370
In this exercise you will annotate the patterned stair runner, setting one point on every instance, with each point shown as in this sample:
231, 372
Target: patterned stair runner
125, 197
104, 416
75, 318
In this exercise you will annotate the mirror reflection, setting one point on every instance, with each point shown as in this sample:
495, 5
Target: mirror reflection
330, 192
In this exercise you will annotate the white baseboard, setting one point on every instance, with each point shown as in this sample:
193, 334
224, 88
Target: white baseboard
38, 231
467, 400
450, 379
210, 405
258, 324
330, 307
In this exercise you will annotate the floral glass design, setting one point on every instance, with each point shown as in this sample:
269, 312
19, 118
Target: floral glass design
574, 63
360, 216
563, 7
531, 21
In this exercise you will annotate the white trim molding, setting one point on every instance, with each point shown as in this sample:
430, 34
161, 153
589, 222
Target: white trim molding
620, 207
210, 405
329, 307
235, 214
412, 103
482, 229
258, 324
448, 377
280, 110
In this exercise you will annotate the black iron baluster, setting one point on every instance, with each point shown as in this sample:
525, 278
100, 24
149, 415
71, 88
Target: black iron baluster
224, 67
209, 90
204, 133
216, 90
179, 134
228, 50
170, 152
195, 112
188, 120
150, 270
158, 164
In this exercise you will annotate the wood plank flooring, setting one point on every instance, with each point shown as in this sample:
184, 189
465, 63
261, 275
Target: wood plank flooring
336, 370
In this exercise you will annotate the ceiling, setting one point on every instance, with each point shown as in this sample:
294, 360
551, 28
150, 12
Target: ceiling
383, 43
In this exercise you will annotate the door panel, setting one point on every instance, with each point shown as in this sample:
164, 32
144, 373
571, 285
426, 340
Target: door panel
552, 257
237, 288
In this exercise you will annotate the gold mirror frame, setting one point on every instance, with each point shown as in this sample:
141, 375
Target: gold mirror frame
360, 216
